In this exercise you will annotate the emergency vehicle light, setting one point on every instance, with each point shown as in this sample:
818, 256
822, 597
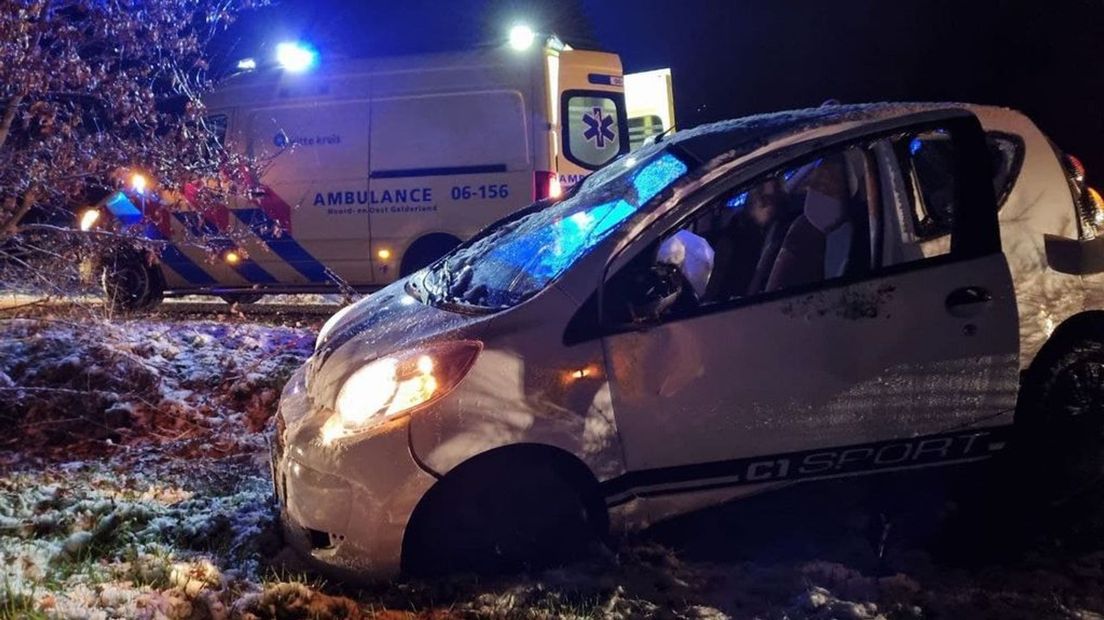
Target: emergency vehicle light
89, 218
295, 57
247, 64
139, 182
522, 37
123, 209
546, 185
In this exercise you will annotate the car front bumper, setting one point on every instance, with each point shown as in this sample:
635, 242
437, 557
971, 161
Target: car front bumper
345, 507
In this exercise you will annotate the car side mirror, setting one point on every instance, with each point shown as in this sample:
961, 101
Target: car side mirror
653, 291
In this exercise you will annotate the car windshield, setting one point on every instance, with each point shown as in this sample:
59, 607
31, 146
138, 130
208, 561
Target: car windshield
516, 258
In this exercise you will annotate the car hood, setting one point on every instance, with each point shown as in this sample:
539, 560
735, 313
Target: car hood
386, 321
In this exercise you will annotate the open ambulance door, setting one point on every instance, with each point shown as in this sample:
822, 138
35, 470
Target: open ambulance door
650, 100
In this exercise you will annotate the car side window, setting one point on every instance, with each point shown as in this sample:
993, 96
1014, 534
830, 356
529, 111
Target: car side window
790, 229
929, 166
927, 159
845, 213
796, 227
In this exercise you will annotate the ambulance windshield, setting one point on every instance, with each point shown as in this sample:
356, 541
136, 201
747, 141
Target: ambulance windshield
518, 257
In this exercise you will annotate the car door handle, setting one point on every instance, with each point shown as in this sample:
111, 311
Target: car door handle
968, 301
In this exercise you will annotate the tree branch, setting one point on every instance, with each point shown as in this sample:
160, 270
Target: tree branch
12, 224
9, 116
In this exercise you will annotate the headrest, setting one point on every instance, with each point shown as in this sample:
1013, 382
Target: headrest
827, 195
823, 211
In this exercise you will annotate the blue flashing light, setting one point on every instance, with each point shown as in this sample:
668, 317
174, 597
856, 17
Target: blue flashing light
915, 146
295, 56
123, 209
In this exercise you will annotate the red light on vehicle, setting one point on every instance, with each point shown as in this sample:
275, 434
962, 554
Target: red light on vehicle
1076, 168
554, 189
546, 185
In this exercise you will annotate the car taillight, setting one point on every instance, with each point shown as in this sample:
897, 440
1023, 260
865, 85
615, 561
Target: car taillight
546, 185
1075, 168
1096, 210
1090, 205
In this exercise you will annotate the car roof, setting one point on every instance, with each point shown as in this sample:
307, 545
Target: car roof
736, 137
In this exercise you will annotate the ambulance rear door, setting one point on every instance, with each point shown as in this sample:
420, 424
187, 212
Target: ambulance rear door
593, 123
650, 104
310, 217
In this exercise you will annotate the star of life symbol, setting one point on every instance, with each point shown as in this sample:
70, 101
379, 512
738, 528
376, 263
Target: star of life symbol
598, 128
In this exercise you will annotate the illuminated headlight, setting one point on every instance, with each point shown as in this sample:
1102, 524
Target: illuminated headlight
394, 386
88, 219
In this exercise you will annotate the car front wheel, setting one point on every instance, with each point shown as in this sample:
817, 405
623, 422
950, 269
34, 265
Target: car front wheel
501, 517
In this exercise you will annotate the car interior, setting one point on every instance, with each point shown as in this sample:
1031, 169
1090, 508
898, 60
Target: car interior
816, 222
823, 220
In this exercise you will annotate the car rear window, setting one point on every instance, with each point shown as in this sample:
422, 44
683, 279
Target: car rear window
930, 156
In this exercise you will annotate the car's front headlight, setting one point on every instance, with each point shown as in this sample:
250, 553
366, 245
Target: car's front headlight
395, 385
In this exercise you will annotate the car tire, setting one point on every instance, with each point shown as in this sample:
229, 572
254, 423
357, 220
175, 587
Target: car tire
425, 251
1060, 420
501, 517
242, 298
129, 282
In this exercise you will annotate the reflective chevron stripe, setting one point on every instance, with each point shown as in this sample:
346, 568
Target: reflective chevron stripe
201, 228
287, 248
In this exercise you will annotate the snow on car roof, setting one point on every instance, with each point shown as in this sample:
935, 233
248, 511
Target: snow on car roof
742, 135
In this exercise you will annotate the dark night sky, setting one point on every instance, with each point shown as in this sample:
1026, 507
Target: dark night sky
732, 58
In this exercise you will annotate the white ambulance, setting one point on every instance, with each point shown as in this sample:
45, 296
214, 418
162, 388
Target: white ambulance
375, 168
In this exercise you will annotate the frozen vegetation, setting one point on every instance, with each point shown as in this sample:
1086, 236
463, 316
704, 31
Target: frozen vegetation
135, 483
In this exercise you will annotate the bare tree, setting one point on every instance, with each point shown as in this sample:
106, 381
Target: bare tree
90, 89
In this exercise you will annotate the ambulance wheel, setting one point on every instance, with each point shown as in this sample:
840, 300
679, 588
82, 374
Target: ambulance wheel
130, 283
242, 298
502, 514
425, 250
1060, 419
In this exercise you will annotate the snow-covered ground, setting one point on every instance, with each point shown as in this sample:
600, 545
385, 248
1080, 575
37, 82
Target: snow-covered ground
135, 484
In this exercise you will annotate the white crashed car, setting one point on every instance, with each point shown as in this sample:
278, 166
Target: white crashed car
780, 298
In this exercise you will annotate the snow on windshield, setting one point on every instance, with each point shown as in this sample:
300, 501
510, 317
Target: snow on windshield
520, 258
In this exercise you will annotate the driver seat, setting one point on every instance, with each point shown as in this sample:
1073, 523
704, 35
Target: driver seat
819, 244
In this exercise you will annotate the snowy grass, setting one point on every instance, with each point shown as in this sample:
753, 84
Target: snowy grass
135, 484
